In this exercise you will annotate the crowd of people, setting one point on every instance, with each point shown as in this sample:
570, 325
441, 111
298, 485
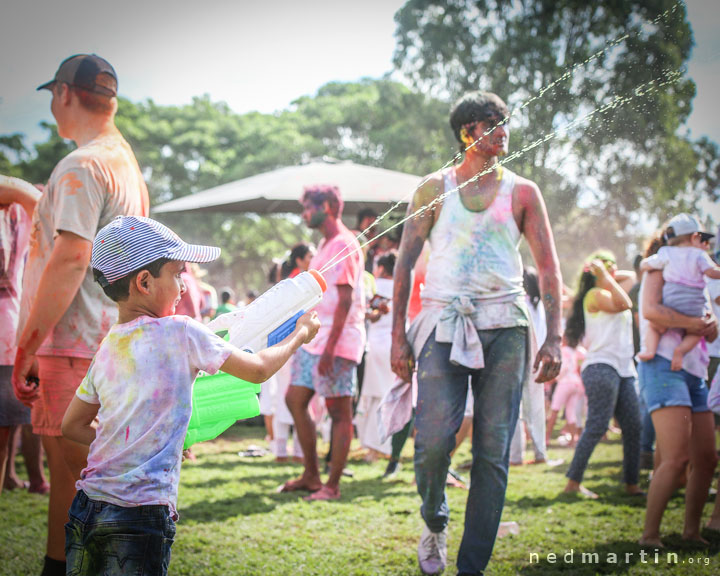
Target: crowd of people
439, 334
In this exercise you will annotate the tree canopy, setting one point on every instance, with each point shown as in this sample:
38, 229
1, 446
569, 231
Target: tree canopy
186, 149
553, 62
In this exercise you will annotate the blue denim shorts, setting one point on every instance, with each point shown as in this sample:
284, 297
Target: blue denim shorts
102, 538
303, 372
661, 387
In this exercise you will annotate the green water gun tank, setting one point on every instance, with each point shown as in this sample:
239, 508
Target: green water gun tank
218, 401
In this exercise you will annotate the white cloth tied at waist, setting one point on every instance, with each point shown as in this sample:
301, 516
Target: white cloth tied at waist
456, 327
457, 322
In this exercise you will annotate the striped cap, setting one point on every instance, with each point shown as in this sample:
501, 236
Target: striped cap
130, 242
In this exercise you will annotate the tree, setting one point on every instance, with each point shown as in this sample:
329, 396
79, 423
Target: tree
185, 149
631, 160
379, 123
37, 166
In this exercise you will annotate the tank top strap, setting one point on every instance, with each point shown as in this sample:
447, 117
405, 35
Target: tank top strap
450, 184
474, 254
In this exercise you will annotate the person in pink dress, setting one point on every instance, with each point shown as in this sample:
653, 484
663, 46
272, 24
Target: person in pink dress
569, 393
17, 204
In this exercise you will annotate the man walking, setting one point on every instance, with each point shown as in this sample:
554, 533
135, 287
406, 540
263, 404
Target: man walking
64, 314
474, 323
328, 365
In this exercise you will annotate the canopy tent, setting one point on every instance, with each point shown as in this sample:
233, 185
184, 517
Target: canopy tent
280, 190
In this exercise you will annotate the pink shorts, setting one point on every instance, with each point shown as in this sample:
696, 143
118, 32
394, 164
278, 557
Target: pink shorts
60, 377
568, 394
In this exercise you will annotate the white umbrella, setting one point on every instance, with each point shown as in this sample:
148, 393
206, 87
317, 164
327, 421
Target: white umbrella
280, 190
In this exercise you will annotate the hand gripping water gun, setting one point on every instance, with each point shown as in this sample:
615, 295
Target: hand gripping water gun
220, 400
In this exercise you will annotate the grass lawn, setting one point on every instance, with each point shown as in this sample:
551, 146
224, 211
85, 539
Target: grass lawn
233, 522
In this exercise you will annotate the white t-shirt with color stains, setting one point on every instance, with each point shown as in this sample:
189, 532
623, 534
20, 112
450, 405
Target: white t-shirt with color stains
87, 189
142, 376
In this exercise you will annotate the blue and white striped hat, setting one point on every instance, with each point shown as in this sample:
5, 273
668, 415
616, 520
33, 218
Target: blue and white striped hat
130, 242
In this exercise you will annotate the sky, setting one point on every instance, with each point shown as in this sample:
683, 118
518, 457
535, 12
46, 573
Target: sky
252, 55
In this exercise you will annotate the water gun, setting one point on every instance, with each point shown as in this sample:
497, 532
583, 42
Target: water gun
220, 400
272, 316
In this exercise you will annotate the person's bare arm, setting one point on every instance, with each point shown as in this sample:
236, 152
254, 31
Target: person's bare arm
612, 299
345, 298
415, 232
58, 285
713, 273
626, 279
259, 367
78, 419
15, 190
537, 232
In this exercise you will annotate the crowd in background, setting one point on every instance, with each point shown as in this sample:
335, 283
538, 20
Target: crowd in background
639, 348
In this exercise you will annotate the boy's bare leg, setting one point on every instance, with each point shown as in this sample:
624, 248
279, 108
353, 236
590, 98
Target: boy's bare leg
10, 478
297, 400
649, 344
340, 410
687, 343
65, 461
33, 456
4, 438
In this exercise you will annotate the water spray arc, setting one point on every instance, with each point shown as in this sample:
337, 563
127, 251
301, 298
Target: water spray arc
669, 77
618, 40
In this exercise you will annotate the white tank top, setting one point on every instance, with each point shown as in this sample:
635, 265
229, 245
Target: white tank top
475, 254
609, 340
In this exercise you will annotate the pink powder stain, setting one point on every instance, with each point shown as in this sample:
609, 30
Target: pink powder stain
501, 209
127, 434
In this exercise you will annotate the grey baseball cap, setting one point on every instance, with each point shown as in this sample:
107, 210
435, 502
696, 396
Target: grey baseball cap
86, 71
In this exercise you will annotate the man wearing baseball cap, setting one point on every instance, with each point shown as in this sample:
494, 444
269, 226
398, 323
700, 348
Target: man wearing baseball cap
64, 315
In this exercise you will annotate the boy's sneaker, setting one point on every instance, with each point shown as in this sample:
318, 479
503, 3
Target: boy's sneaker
392, 470
432, 551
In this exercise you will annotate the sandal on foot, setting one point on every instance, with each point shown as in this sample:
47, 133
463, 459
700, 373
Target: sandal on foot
296, 485
324, 493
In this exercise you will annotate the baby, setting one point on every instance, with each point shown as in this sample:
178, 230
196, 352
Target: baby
684, 263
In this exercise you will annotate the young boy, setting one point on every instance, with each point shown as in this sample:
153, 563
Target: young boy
684, 264
139, 385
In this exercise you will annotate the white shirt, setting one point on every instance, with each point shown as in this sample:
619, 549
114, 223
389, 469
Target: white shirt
142, 376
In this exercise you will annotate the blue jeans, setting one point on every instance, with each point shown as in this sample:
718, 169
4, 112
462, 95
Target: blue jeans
110, 540
442, 394
608, 395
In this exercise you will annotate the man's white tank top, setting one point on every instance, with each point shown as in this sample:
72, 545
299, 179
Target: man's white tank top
475, 254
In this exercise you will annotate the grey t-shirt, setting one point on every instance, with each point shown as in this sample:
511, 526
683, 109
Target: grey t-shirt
87, 189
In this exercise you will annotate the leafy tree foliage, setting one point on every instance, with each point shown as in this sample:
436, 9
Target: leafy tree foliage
634, 159
186, 149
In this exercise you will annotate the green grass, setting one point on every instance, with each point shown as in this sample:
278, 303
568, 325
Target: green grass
233, 522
